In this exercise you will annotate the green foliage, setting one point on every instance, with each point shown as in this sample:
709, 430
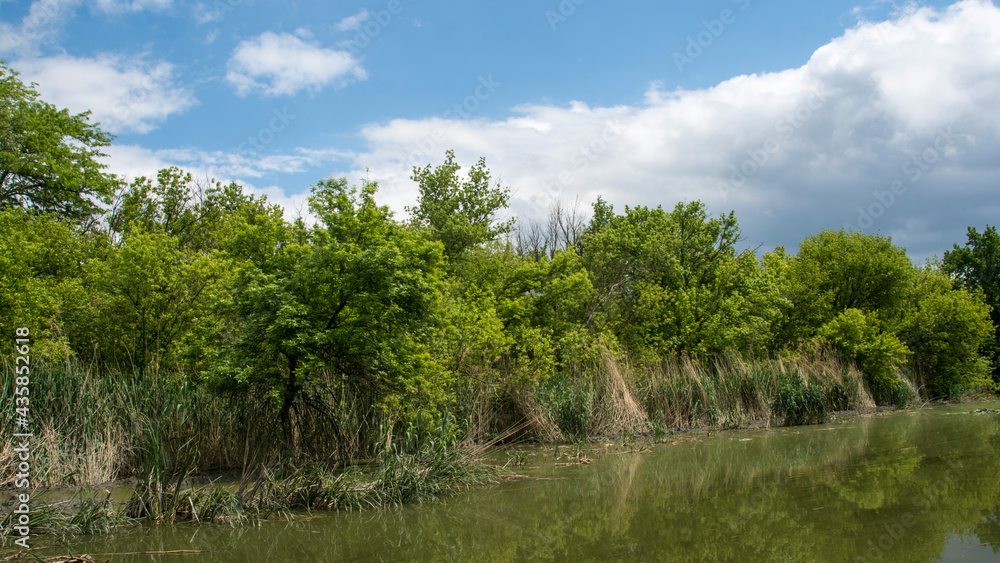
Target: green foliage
150, 291
570, 404
797, 403
673, 282
459, 213
351, 296
838, 270
49, 159
977, 266
945, 328
879, 354
177, 206
41, 287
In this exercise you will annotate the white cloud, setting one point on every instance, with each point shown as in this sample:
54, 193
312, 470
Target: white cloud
912, 100
283, 64
353, 22
43, 22
124, 94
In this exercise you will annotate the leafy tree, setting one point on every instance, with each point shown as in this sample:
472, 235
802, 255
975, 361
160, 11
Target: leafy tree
879, 354
838, 270
977, 266
48, 157
674, 282
461, 213
41, 285
353, 295
178, 206
148, 291
944, 328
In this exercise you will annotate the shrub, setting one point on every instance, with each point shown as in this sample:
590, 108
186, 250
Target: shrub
797, 403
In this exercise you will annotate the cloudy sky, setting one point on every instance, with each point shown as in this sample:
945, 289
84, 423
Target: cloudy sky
799, 116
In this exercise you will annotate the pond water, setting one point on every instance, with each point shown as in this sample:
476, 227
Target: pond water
907, 486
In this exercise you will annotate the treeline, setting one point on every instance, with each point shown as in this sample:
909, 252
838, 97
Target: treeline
364, 314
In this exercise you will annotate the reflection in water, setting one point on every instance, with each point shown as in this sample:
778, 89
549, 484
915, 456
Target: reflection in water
892, 488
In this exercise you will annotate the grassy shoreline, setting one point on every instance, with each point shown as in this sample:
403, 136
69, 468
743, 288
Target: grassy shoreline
159, 433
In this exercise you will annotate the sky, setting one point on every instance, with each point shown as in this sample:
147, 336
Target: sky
799, 116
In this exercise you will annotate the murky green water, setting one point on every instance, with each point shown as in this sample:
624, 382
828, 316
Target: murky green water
910, 486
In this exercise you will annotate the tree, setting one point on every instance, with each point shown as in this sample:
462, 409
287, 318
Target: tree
48, 157
977, 266
838, 270
178, 206
945, 328
673, 282
353, 295
460, 213
859, 335
41, 280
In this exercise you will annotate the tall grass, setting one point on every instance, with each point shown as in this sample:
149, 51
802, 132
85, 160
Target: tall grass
91, 428
161, 430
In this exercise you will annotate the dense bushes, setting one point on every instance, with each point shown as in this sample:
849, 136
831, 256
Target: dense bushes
647, 316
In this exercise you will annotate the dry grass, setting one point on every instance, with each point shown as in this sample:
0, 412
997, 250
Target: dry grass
618, 411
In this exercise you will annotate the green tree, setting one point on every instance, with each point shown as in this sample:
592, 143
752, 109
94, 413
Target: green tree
977, 266
860, 336
48, 157
945, 328
41, 279
178, 206
461, 213
148, 292
673, 282
838, 270
353, 295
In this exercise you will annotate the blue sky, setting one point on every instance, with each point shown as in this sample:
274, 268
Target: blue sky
800, 116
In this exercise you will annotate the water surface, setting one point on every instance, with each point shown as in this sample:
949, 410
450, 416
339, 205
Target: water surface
908, 486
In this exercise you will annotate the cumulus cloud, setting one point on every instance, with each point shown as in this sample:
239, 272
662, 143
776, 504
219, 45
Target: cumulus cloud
43, 22
124, 94
282, 64
893, 126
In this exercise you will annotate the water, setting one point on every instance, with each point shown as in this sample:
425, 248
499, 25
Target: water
909, 486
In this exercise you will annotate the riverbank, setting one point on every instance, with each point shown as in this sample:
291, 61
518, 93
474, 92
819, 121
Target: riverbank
743, 477
160, 435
